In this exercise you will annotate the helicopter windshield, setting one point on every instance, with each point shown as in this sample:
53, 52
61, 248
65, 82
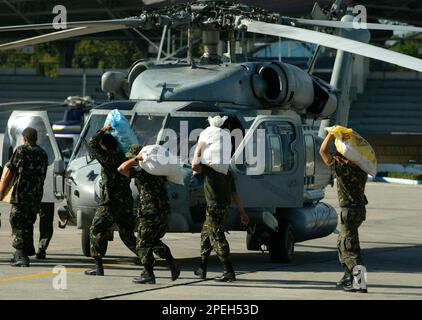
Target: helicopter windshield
96, 122
146, 128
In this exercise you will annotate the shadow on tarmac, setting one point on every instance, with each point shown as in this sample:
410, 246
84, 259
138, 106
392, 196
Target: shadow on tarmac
406, 259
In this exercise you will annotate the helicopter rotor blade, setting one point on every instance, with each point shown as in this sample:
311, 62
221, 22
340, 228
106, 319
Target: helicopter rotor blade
352, 25
59, 35
127, 22
334, 42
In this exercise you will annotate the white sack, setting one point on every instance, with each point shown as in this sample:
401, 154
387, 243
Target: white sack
216, 150
158, 161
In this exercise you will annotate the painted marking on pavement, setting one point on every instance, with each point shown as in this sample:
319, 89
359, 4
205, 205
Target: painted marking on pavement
50, 273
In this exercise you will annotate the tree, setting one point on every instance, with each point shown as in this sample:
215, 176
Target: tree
409, 45
45, 59
105, 54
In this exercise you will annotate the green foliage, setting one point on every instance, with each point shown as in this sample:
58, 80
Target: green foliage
105, 54
401, 175
45, 59
409, 45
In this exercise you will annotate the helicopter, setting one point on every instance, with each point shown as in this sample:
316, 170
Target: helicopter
67, 130
270, 103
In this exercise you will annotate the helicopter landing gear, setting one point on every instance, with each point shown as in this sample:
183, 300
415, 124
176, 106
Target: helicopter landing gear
281, 244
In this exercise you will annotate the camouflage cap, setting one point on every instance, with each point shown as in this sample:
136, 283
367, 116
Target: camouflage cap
133, 150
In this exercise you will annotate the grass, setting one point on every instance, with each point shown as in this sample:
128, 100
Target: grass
400, 175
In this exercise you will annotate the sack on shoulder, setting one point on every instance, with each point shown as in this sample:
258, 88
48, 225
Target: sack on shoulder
355, 148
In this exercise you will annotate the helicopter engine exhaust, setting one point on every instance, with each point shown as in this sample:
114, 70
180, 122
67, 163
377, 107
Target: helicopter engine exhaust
289, 87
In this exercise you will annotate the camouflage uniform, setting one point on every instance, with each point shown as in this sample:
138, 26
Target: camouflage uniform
46, 225
351, 182
218, 190
153, 214
30, 163
116, 201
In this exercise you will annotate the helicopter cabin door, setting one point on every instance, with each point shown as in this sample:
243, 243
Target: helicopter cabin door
18, 121
268, 165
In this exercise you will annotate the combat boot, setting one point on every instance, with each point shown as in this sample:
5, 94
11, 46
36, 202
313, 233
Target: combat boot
347, 279
350, 288
201, 272
175, 269
20, 259
228, 274
41, 254
99, 269
147, 276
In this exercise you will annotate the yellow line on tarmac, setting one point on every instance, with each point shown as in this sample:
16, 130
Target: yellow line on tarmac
34, 275
50, 273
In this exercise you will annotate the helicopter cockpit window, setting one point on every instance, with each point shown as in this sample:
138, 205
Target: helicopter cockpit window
95, 123
66, 146
276, 153
310, 155
22, 122
147, 127
280, 137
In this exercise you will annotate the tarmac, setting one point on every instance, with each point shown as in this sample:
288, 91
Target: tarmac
391, 241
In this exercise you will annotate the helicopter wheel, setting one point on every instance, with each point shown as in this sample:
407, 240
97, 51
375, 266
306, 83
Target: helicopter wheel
281, 245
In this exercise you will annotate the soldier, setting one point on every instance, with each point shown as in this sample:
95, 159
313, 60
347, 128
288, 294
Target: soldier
29, 163
46, 213
351, 182
153, 215
219, 190
116, 203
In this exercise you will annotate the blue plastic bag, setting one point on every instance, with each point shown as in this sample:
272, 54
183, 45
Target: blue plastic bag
121, 130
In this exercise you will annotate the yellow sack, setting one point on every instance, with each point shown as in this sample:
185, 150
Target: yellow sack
355, 148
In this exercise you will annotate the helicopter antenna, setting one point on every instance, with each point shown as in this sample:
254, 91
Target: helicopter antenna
313, 60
